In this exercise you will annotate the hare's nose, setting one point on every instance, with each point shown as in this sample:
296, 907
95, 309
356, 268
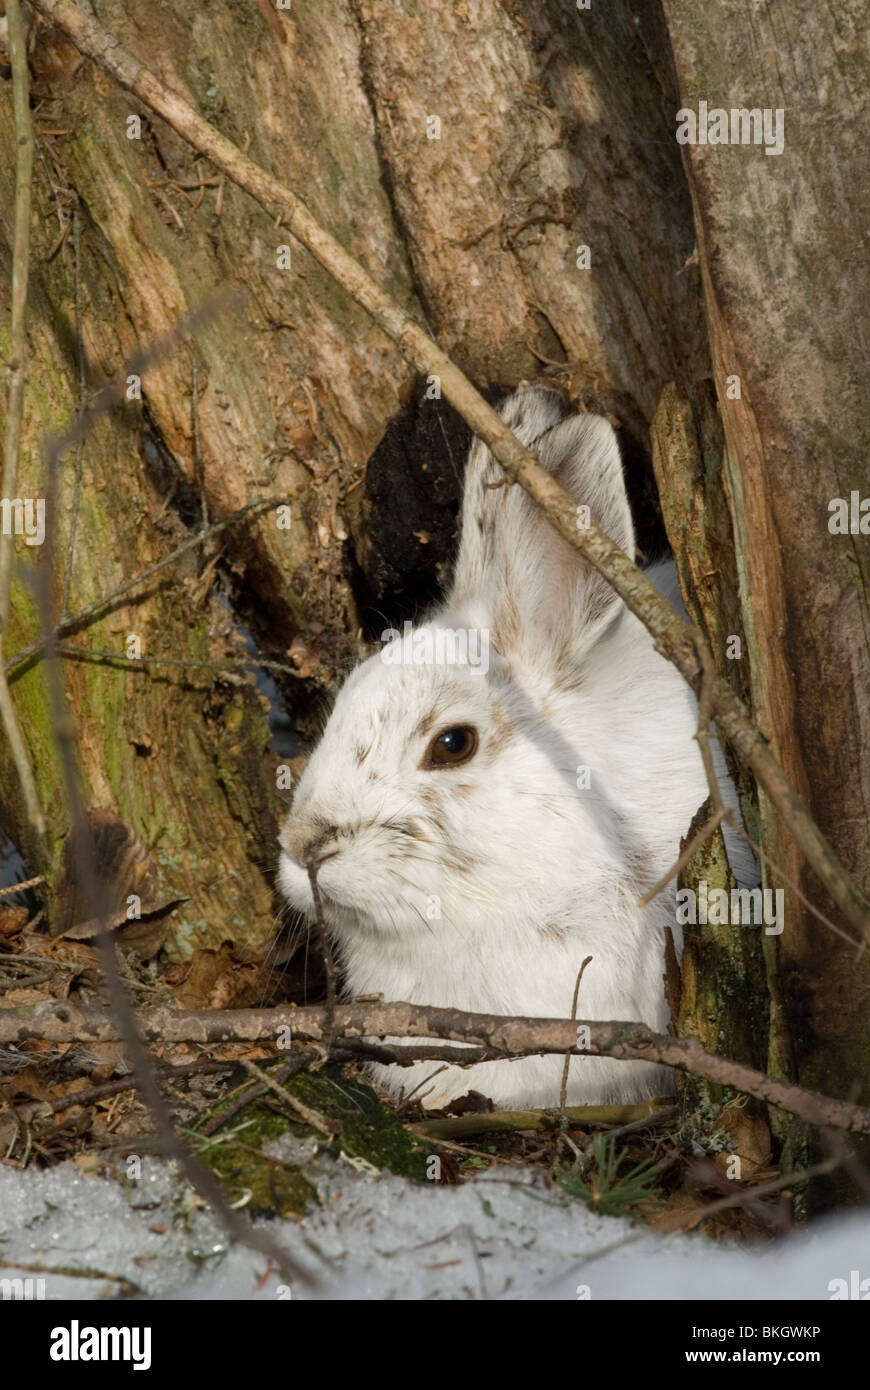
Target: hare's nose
318, 853
308, 844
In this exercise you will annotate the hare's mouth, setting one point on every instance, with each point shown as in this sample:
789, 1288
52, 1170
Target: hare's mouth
296, 886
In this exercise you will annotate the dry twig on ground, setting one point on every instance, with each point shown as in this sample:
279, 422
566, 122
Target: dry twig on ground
492, 1036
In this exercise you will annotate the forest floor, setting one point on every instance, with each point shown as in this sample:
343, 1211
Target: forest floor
398, 1202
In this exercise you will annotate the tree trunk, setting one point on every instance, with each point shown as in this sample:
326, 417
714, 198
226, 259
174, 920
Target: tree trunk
542, 150
782, 245
293, 386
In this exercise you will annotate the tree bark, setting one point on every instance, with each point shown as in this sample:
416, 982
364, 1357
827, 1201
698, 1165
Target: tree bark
542, 131
292, 393
782, 247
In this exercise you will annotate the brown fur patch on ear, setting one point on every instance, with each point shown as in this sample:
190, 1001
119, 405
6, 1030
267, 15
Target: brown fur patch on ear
506, 623
503, 730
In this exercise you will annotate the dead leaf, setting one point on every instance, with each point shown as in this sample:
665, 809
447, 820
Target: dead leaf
751, 1138
12, 919
122, 865
102, 1073
28, 1082
88, 1162
216, 980
302, 439
682, 1213
144, 934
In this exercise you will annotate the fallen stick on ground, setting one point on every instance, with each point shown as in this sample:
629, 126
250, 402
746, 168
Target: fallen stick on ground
493, 1038
509, 1121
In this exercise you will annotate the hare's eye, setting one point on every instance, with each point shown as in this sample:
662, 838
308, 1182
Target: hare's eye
451, 747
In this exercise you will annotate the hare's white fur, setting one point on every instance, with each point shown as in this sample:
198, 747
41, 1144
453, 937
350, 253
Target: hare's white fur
484, 886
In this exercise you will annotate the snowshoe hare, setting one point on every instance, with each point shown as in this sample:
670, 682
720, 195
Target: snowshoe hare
497, 787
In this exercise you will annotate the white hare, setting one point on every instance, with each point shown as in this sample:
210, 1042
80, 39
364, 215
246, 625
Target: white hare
496, 788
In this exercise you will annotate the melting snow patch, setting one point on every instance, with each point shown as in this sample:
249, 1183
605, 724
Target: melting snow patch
495, 1237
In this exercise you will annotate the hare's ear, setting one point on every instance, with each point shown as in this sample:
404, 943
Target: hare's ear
538, 596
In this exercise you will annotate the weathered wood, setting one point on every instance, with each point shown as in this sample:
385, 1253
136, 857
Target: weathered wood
294, 390
782, 245
292, 393
724, 999
550, 137
491, 1036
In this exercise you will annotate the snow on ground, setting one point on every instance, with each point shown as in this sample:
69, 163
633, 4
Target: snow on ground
495, 1237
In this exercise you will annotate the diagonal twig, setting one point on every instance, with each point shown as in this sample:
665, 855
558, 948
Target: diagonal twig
563, 1092
697, 842
15, 405
309, 1117
79, 456
99, 606
328, 958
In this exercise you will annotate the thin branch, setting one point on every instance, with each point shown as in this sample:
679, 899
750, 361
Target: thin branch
494, 1038
95, 610
563, 1093
747, 1196
15, 403
304, 1112
415, 1090
249, 1092
129, 663
20, 758
14, 888
138, 364
719, 809
328, 958
80, 445
674, 638
732, 821
662, 1114
38, 1108
697, 842
20, 271
511, 1121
